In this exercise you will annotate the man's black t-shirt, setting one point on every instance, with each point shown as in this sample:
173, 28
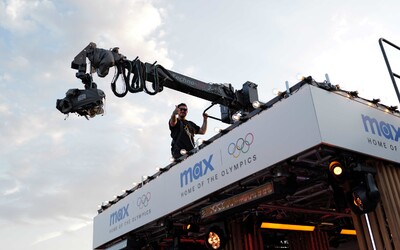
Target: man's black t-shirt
182, 136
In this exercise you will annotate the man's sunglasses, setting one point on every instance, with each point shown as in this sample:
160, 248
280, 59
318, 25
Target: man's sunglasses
183, 109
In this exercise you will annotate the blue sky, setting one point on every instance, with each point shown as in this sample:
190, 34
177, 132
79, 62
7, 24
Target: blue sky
55, 172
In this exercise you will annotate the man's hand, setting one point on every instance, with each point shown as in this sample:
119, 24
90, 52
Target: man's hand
176, 110
203, 128
173, 120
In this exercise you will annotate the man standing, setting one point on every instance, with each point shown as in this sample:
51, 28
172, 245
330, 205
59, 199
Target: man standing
183, 131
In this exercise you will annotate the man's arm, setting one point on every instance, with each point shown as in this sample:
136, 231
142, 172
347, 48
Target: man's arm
173, 120
203, 128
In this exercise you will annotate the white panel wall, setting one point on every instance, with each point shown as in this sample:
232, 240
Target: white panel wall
356, 126
288, 128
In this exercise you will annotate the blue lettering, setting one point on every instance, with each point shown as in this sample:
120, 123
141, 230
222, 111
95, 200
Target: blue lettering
397, 132
373, 123
387, 130
186, 176
208, 164
198, 170
119, 214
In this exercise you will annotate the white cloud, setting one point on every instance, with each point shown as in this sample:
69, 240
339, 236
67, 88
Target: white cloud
13, 16
74, 225
13, 190
5, 77
46, 237
42, 39
4, 109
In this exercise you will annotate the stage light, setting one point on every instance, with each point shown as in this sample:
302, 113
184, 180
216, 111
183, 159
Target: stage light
393, 109
281, 174
199, 141
300, 77
162, 169
127, 191
215, 237
256, 104
276, 92
348, 232
360, 198
336, 168
221, 131
236, 117
218, 130
353, 93
214, 240
103, 206
279, 226
376, 101
195, 228
366, 195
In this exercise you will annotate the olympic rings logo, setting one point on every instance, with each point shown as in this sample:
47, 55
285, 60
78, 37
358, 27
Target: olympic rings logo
242, 145
143, 201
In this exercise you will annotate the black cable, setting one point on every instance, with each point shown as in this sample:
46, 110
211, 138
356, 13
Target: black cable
156, 82
136, 67
117, 73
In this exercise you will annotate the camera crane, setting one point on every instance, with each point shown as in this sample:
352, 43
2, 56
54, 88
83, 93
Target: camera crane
136, 77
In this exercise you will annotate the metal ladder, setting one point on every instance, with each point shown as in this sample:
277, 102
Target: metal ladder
392, 74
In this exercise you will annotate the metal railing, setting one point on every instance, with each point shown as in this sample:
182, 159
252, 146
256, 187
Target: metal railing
391, 73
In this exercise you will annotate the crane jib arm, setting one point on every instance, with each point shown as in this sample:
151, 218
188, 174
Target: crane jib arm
135, 74
213, 92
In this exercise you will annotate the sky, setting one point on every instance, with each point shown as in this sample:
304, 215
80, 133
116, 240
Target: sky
55, 171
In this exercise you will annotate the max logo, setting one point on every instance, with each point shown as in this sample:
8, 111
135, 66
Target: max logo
195, 172
387, 130
119, 214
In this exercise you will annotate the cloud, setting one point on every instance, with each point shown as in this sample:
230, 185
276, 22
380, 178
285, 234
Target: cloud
75, 225
14, 189
14, 16
46, 237
51, 165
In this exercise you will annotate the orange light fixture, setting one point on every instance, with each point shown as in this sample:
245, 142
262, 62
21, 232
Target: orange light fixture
348, 232
268, 225
336, 168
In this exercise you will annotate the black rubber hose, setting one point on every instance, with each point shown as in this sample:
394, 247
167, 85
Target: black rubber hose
135, 67
118, 72
156, 83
